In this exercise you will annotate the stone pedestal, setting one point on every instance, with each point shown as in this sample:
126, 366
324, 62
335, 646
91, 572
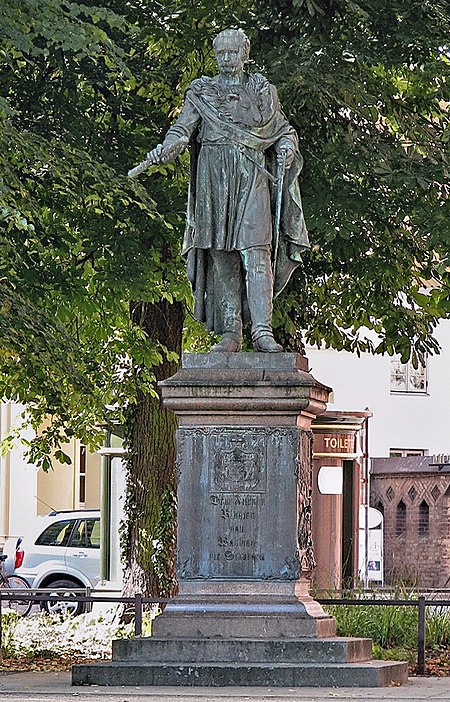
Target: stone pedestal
244, 615
244, 469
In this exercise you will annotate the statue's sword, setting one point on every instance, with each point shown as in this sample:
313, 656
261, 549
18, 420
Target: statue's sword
277, 220
140, 168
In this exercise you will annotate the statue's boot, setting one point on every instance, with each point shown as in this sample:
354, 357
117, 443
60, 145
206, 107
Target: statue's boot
259, 282
227, 287
266, 344
229, 343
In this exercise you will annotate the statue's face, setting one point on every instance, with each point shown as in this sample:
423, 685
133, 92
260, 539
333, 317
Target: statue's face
230, 56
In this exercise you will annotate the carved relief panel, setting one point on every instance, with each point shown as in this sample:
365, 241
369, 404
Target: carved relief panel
238, 505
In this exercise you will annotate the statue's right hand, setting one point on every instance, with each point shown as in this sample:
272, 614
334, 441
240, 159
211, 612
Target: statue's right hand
155, 155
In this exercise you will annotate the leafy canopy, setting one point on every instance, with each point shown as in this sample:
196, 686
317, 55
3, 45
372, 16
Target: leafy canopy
88, 88
366, 85
79, 240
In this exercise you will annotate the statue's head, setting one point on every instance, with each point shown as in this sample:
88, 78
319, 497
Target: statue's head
231, 49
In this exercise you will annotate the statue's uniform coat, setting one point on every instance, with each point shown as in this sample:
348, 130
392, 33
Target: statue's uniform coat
235, 133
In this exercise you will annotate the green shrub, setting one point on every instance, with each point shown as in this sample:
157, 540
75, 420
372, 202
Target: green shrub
438, 630
391, 626
47, 635
9, 622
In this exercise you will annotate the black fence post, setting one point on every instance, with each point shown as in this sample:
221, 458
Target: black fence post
89, 604
421, 637
138, 614
1, 629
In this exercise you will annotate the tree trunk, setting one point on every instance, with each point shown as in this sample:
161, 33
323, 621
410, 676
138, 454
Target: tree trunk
149, 536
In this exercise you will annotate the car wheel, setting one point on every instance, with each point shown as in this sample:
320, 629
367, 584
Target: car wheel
72, 606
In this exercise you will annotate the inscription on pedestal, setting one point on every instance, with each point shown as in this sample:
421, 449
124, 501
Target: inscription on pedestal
236, 518
239, 487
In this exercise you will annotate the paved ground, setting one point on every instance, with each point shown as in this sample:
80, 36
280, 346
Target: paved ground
55, 687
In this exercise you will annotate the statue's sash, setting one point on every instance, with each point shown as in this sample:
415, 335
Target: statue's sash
259, 138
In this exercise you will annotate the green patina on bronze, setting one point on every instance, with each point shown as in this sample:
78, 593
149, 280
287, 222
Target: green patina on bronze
245, 228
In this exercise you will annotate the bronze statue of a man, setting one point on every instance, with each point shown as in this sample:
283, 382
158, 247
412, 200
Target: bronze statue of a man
245, 227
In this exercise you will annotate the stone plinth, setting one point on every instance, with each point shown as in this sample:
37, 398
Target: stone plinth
244, 615
244, 467
237, 388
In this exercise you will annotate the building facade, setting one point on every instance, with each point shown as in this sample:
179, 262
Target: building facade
413, 494
26, 492
408, 430
410, 407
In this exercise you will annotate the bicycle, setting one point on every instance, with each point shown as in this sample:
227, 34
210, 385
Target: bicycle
14, 582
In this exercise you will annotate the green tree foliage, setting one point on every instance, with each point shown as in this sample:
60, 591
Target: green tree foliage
73, 228
87, 88
366, 85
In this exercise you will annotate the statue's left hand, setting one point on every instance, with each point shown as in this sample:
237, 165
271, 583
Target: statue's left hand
287, 154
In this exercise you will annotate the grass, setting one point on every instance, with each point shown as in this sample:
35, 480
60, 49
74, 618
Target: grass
387, 626
393, 630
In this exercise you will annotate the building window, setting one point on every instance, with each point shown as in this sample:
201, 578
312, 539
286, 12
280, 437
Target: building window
424, 519
400, 521
82, 475
404, 453
406, 378
390, 494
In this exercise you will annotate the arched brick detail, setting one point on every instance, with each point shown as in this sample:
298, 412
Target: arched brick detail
415, 556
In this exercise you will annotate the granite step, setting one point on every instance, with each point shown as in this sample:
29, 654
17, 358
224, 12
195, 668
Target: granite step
242, 622
157, 650
117, 673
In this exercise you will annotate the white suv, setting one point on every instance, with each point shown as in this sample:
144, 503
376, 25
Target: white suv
62, 552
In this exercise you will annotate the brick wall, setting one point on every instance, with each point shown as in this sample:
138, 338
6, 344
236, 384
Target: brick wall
416, 527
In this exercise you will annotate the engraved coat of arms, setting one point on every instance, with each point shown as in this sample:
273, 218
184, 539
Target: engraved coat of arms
239, 463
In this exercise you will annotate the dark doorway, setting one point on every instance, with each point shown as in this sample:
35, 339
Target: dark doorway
348, 526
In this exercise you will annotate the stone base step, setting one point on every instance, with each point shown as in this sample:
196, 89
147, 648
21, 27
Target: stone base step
250, 621
116, 673
155, 650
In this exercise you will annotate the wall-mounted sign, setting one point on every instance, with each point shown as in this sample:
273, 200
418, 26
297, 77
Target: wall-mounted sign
375, 558
330, 480
337, 444
375, 517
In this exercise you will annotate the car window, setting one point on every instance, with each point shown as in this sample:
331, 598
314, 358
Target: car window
56, 534
86, 534
93, 533
79, 535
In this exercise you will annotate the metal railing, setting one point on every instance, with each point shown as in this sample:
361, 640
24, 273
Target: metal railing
37, 595
138, 601
421, 603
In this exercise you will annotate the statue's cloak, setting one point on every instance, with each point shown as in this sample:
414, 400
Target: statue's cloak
258, 132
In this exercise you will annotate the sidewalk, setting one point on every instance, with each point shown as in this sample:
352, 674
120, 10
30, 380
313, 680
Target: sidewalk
56, 687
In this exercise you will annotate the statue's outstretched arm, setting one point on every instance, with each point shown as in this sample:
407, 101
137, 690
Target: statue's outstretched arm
175, 141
